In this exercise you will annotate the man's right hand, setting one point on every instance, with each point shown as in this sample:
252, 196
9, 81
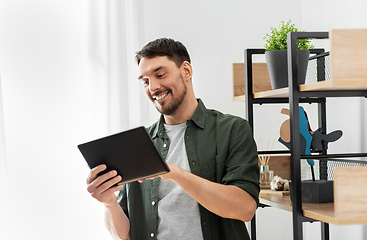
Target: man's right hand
101, 187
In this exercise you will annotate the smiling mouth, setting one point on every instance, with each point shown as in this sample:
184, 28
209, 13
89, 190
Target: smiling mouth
160, 97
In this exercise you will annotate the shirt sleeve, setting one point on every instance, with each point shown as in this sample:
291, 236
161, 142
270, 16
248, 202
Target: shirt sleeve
242, 169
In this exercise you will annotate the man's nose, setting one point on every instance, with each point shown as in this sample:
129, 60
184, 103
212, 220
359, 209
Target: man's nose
154, 85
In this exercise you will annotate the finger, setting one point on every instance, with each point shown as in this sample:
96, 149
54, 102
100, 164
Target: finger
149, 178
97, 182
93, 173
105, 177
152, 178
107, 195
107, 186
114, 189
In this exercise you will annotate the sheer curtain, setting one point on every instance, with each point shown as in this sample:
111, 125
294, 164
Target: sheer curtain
3, 165
73, 80
3, 160
114, 35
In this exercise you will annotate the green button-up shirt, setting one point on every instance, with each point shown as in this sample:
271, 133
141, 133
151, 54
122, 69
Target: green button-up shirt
220, 148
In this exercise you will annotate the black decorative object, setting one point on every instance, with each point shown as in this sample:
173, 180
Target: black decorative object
320, 191
320, 140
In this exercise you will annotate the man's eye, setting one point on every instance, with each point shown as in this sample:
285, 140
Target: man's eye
145, 83
161, 75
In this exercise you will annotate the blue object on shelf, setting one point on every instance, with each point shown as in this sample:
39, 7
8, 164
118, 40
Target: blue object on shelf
304, 130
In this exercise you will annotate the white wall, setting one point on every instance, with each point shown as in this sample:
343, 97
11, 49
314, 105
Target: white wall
47, 110
216, 34
345, 114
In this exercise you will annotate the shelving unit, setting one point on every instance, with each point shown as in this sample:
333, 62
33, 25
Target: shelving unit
294, 95
323, 212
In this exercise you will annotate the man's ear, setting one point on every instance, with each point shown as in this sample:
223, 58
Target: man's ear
186, 69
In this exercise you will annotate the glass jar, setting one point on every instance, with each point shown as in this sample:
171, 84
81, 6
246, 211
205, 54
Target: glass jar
266, 176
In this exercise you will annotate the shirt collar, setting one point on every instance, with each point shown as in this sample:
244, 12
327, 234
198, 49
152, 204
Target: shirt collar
159, 129
199, 115
198, 118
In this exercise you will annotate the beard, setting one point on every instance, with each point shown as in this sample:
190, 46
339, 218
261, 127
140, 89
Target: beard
171, 107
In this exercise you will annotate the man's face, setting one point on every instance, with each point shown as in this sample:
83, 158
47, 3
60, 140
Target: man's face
163, 83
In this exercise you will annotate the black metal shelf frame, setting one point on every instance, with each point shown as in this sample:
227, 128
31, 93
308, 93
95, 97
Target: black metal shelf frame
295, 98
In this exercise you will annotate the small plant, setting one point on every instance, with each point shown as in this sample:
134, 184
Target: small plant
277, 39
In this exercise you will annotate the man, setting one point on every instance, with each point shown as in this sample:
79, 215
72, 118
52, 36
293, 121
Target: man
213, 184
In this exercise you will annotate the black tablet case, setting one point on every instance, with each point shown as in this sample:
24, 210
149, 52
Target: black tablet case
131, 153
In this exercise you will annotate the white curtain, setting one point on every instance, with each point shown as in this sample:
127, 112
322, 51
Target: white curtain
114, 35
3, 164
68, 76
3, 160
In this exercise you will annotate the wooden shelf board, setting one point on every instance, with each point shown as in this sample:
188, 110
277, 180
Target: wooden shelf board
240, 98
276, 93
335, 85
318, 86
281, 202
323, 212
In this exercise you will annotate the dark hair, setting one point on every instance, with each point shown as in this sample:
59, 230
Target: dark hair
174, 50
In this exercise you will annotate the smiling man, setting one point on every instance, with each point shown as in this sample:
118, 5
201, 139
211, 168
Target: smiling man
166, 84
213, 185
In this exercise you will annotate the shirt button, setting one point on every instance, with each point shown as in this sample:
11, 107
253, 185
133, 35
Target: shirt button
152, 235
164, 145
153, 203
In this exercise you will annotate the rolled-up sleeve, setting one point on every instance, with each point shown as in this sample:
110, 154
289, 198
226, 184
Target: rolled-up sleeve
241, 167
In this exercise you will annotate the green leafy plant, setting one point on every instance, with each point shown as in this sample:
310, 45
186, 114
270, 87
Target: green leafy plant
277, 39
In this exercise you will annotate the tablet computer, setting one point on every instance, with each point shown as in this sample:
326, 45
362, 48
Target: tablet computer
131, 153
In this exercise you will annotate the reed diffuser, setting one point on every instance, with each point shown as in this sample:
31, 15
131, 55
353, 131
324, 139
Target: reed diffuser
266, 175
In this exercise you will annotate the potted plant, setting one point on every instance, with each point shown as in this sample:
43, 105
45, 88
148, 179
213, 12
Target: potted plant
276, 55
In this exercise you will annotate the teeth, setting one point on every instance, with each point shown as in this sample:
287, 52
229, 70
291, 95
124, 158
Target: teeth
160, 97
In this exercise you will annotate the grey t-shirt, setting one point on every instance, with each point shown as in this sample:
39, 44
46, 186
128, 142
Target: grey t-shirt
178, 213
